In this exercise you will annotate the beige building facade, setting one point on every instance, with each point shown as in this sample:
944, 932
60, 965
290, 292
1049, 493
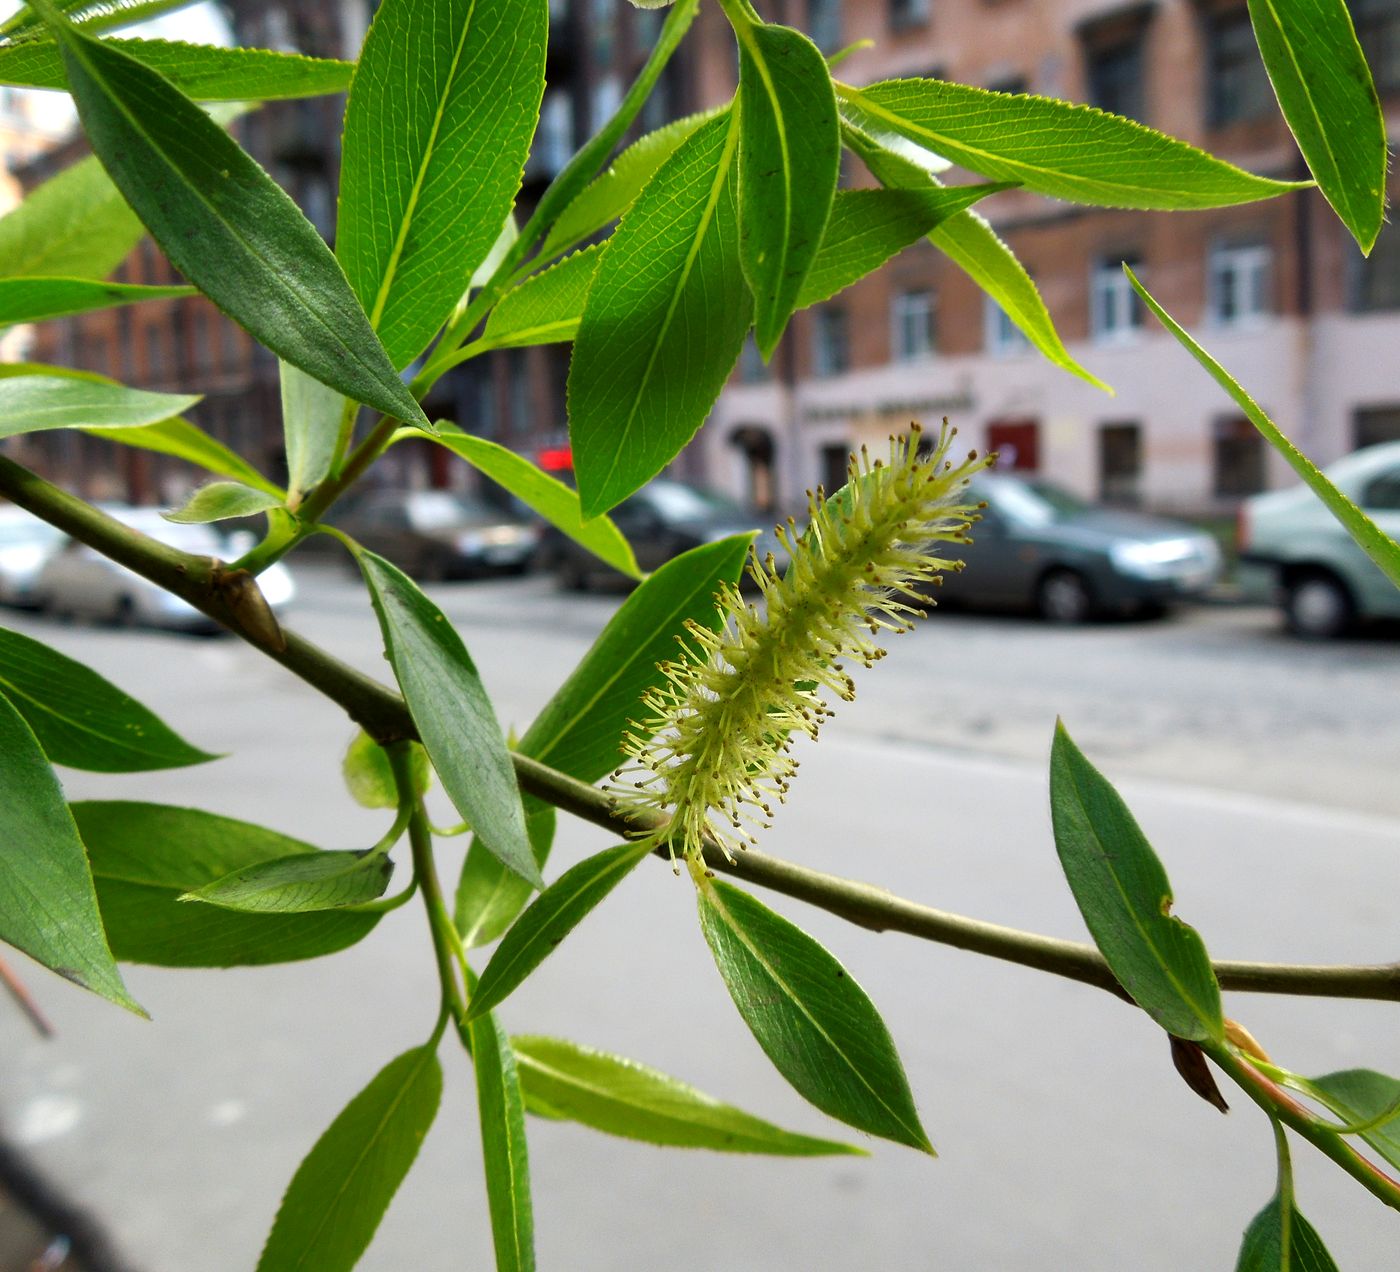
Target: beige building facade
1276, 290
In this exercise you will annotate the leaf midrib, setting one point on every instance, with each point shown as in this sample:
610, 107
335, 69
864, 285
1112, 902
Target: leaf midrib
941, 140
746, 36
702, 231
74, 41
1203, 1016
12, 691
391, 267
1321, 128
712, 896
541, 753
424, 1055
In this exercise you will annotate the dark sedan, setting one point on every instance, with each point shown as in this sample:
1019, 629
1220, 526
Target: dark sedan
441, 534
1039, 547
662, 520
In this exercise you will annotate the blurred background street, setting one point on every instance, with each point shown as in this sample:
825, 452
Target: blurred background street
1261, 767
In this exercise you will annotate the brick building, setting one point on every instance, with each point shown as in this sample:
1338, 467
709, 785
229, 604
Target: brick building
1276, 290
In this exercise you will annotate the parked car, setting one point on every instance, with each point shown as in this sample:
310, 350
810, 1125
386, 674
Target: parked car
1040, 547
79, 582
25, 544
662, 520
1319, 576
441, 534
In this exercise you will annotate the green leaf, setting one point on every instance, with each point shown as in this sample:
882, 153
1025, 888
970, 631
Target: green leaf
553, 500
203, 72
48, 907
583, 167
973, 246
300, 884
1125, 898
611, 193
501, 1110
74, 225
814, 1022
545, 308
369, 777
867, 227
220, 500
437, 130
311, 423
227, 226
454, 716
664, 322
622, 1097
1372, 540
1057, 148
789, 160
39, 299
1362, 1095
81, 720
146, 856
176, 436
1325, 90
92, 15
342, 1189
32, 403
555, 913
579, 731
1279, 1239
488, 895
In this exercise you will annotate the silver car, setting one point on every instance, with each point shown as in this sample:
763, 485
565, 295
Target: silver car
26, 543
79, 582
1322, 580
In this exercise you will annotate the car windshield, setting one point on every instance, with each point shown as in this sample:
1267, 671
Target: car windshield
430, 510
1032, 503
676, 502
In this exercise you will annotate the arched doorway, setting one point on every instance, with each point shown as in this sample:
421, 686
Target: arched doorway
756, 444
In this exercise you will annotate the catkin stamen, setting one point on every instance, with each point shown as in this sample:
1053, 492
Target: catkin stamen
714, 746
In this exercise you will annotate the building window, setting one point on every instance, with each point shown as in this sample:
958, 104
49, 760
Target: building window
1377, 25
1001, 336
1372, 425
1375, 279
554, 138
908, 13
1238, 458
752, 368
831, 353
912, 315
1238, 283
1116, 311
1237, 86
1115, 75
835, 461
1120, 463
824, 24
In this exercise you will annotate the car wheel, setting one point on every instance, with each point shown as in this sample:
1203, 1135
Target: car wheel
1317, 607
124, 612
572, 575
1063, 597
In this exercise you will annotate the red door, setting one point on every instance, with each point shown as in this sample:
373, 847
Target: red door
1017, 444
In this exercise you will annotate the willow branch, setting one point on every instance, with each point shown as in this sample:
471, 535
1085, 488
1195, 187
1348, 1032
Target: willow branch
209, 585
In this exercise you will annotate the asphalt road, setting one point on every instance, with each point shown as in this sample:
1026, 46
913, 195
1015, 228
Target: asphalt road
1262, 769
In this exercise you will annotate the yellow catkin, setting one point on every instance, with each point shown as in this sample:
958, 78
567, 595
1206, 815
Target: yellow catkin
714, 748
